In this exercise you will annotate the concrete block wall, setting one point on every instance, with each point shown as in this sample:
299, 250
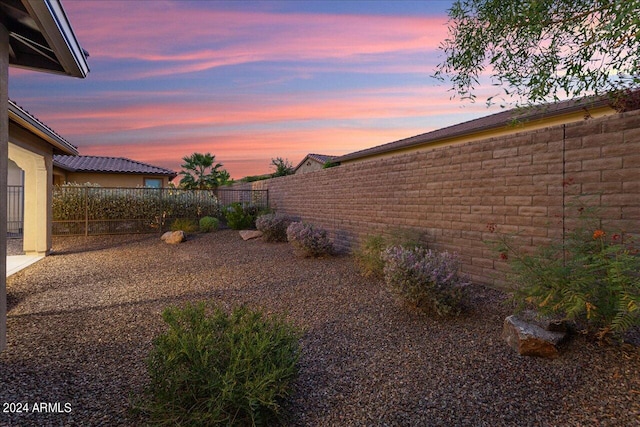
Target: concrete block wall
452, 196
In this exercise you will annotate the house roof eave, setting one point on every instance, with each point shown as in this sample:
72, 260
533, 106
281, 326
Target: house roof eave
42, 38
21, 117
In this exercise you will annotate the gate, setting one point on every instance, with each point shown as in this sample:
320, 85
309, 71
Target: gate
15, 211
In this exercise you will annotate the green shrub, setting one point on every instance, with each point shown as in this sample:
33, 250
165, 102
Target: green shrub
425, 279
368, 254
591, 276
208, 223
211, 368
150, 206
273, 226
187, 225
241, 216
309, 240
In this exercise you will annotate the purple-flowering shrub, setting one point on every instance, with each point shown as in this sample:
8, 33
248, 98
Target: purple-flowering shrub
426, 279
309, 240
273, 226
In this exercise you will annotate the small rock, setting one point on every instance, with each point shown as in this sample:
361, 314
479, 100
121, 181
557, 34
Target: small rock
173, 237
529, 339
250, 234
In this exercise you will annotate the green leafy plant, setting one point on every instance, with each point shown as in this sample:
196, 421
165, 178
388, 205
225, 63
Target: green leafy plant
199, 171
273, 226
541, 50
368, 254
329, 164
212, 368
208, 223
425, 279
148, 208
187, 225
241, 216
592, 276
282, 167
309, 241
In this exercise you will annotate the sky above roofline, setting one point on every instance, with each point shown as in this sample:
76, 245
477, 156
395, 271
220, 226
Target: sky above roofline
248, 81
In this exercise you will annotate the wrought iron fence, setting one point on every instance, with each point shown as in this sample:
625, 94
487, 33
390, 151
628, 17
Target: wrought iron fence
15, 211
85, 210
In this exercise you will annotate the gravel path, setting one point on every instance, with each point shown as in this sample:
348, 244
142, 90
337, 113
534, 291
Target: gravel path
81, 323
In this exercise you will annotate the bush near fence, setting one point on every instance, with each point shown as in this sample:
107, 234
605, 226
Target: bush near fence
87, 209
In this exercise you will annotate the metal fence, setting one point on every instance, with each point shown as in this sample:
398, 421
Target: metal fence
80, 210
15, 211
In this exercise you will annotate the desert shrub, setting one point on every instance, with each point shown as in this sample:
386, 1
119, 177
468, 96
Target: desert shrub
592, 276
208, 223
187, 225
368, 254
309, 240
427, 280
213, 368
273, 226
241, 216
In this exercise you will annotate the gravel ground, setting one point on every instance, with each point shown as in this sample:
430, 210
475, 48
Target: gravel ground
81, 323
14, 247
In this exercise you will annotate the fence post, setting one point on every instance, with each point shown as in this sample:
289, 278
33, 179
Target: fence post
86, 211
161, 210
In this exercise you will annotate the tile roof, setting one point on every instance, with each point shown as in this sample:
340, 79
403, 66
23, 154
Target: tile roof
109, 165
320, 158
494, 121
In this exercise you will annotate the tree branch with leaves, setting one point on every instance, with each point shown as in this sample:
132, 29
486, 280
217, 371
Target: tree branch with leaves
542, 50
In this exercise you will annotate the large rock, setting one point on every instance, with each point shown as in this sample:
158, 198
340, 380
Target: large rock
173, 237
250, 234
529, 339
546, 323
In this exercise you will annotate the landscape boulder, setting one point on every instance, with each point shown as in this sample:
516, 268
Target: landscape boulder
530, 339
250, 234
173, 237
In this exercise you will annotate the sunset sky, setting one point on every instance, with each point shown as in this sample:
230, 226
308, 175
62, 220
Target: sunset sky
247, 81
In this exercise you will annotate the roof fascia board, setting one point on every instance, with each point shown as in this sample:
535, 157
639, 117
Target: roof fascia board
27, 121
56, 29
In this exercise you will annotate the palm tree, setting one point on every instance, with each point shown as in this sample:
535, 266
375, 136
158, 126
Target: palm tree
199, 172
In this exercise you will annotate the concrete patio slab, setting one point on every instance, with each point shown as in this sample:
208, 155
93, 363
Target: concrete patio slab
16, 263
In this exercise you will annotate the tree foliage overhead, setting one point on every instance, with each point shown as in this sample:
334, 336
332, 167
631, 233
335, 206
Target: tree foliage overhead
200, 171
541, 50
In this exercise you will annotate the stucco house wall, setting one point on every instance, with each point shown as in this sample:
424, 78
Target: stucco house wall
34, 156
106, 179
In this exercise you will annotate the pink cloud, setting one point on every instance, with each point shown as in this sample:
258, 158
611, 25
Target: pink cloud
187, 40
251, 153
187, 116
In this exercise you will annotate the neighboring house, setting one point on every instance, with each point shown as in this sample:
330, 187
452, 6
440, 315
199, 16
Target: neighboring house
36, 35
495, 125
109, 172
312, 162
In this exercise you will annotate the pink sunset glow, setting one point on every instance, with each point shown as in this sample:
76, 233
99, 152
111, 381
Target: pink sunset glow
247, 81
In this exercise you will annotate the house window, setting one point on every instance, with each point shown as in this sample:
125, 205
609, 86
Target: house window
153, 182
